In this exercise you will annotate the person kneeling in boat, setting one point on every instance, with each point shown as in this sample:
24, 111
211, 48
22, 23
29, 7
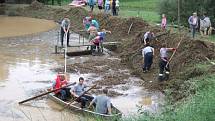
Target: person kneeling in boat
103, 103
59, 82
78, 90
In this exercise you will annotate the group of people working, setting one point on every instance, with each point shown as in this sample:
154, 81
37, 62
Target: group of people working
96, 37
101, 102
148, 53
91, 26
107, 5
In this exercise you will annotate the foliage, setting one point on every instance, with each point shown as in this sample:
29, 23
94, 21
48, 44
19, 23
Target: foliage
187, 7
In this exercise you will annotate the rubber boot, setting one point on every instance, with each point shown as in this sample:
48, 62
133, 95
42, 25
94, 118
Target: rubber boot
160, 77
166, 75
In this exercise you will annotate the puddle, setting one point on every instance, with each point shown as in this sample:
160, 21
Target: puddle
27, 65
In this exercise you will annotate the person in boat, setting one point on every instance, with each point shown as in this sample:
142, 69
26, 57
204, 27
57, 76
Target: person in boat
103, 103
78, 90
59, 82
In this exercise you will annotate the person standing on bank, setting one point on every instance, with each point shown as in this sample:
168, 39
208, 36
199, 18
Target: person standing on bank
114, 7
65, 26
193, 21
163, 22
163, 62
103, 103
148, 53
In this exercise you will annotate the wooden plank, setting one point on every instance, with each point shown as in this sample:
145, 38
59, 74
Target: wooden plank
89, 44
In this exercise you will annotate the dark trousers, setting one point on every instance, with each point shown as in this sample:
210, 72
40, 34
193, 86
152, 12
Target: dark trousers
62, 36
193, 30
91, 7
64, 94
148, 60
68, 94
163, 66
84, 99
114, 11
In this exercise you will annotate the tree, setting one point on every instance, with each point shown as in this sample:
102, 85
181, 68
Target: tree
187, 7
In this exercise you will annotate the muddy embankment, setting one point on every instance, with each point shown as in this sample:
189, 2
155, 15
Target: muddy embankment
189, 53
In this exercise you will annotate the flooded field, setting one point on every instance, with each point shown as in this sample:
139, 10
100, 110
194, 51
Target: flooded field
28, 66
16, 26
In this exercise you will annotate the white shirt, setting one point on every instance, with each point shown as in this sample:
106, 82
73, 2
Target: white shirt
194, 20
146, 35
163, 53
147, 50
117, 3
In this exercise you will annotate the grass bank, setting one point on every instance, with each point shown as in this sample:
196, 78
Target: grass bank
145, 9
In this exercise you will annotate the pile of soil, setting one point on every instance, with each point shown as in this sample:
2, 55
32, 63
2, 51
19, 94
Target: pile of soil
36, 5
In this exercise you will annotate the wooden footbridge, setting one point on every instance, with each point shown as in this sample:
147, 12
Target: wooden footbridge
77, 45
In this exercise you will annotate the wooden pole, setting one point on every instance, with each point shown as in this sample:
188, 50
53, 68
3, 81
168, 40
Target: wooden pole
130, 28
45, 93
78, 97
174, 52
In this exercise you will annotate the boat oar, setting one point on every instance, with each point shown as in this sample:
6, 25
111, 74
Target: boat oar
45, 93
78, 97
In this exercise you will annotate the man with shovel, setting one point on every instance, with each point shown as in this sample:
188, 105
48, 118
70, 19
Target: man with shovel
65, 25
163, 64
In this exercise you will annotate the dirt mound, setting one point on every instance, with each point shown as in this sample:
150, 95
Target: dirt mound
120, 26
36, 5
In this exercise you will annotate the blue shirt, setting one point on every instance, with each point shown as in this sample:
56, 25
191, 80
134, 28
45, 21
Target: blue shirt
95, 23
79, 89
102, 104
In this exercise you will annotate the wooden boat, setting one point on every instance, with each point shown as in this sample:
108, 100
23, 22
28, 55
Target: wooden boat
75, 107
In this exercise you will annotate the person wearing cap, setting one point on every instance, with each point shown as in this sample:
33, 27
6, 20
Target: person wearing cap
147, 53
163, 62
193, 21
103, 103
78, 91
65, 26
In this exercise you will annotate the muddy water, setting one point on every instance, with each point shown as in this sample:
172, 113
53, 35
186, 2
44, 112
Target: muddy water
16, 26
27, 64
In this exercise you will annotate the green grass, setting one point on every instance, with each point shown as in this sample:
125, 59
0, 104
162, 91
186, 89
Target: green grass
147, 5
145, 9
149, 16
198, 107
212, 38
